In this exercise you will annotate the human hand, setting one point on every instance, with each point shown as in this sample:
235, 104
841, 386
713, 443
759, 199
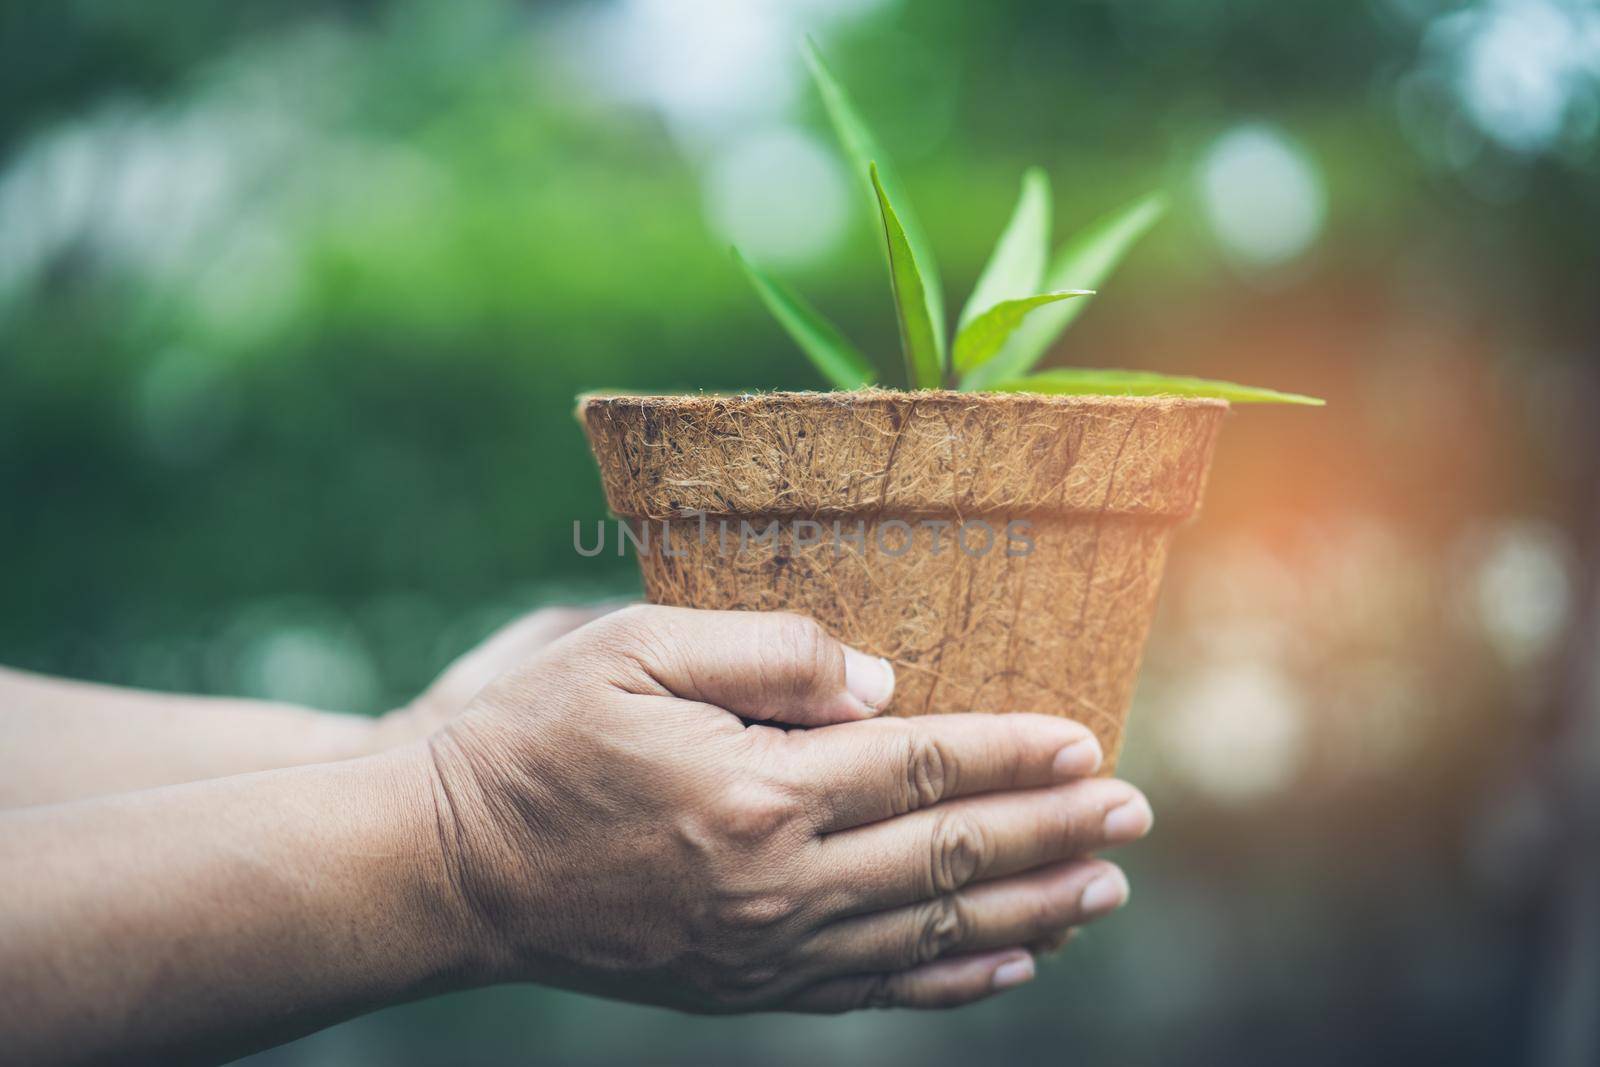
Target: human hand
451, 692
622, 815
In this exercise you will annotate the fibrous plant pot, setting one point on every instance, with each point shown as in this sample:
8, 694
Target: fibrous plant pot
884, 503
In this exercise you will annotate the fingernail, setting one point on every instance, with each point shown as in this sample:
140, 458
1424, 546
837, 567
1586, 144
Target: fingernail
1078, 759
869, 679
1130, 820
1106, 893
1013, 973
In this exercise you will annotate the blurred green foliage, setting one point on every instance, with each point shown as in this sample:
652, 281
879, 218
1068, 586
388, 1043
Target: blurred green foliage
295, 297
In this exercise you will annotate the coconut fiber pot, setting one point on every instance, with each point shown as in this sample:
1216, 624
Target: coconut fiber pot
1003, 550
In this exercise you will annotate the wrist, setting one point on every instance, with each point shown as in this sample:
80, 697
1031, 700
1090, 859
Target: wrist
231, 913
451, 925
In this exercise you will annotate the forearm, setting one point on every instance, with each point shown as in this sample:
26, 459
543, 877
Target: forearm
205, 920
63, 740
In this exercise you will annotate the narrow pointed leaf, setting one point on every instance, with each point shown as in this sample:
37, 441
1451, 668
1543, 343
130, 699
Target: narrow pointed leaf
981, 338
861, 149
838, 360
1080, 380
918, 334
1083, 262
1016, 267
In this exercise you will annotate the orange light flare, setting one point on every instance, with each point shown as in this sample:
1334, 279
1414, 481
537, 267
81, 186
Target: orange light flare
1370, 585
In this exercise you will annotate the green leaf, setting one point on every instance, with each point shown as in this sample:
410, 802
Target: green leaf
1083, 262
981, 338
1146, 383
1016, 266
862, 149
918, 334
838, 360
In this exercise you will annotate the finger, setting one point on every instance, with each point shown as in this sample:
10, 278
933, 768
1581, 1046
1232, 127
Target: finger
876, 770
1055, 943
1022, 910
759, 665
940, 850
944, 984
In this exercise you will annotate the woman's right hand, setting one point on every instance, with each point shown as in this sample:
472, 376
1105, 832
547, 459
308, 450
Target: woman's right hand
624, 814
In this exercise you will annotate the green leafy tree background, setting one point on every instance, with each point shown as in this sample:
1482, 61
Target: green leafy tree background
295, 298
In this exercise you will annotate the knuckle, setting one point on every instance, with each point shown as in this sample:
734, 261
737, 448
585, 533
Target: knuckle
930, 772
943, 925
739, 985
751, 815
754, 912
960, 849
1066, 827
879, 991
723, 952
1046, 913
1055, 940
810, 655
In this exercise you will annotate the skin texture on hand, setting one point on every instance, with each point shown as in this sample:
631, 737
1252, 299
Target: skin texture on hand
676, 807
625, 815
458, 684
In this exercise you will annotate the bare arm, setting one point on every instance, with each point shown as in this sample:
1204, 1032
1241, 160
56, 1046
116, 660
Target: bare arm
200, 922
613, 816
63, 740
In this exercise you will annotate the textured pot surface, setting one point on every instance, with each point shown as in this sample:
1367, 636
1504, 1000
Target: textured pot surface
1003, 550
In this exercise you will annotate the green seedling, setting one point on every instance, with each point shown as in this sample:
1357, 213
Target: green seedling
1024, 298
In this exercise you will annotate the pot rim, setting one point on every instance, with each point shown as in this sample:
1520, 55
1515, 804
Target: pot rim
886, 452
875, 394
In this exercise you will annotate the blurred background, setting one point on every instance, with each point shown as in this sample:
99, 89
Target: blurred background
295, 298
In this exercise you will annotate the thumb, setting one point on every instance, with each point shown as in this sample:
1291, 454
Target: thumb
767, 666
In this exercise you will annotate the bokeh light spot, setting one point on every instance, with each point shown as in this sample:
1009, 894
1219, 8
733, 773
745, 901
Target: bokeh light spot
1262, 195
778, 196
1521, 588
1236, 732
1525, 71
